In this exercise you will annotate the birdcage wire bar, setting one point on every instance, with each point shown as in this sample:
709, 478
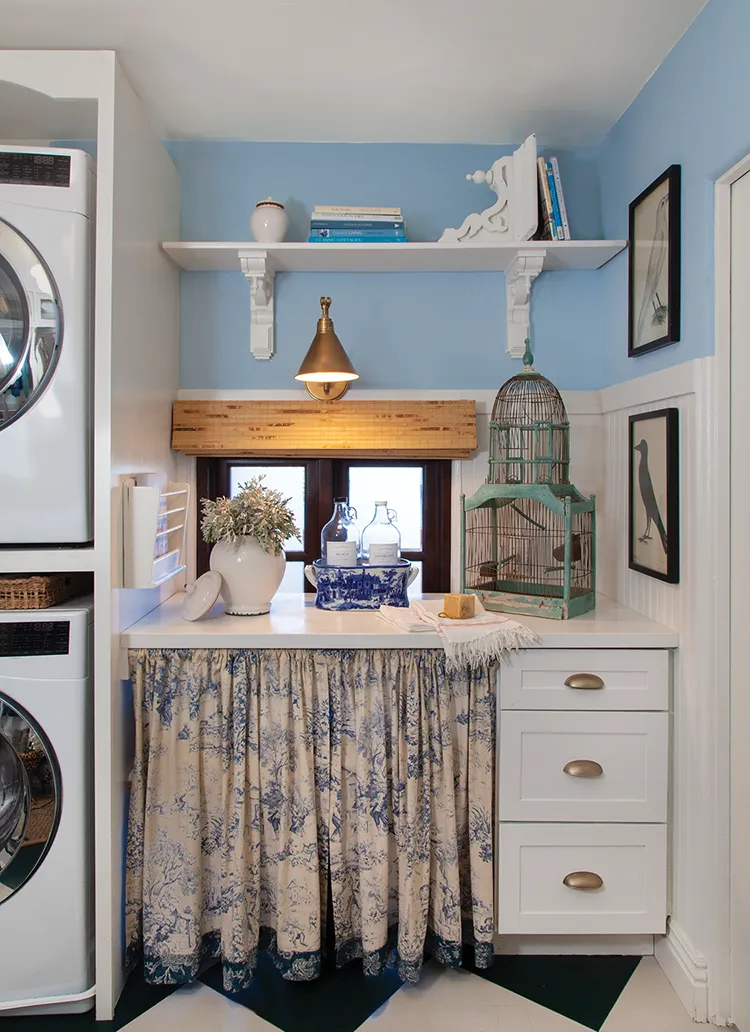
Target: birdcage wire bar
529, 433
530, 554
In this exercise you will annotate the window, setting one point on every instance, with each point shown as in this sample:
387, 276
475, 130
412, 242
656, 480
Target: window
419, 491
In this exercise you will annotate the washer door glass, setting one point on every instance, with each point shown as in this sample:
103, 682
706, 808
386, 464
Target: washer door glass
30, 796
30, 324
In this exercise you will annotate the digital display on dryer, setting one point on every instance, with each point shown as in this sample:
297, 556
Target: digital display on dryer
37, 638
35, 169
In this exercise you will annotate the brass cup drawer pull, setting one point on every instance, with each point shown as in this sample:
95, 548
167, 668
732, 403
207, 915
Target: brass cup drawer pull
589, 682
583, 769
585, 880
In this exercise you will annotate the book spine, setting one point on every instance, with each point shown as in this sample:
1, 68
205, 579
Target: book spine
337, 239
559, 232
560, 198
343, 210
368, 234
549, 215
357, 217
386, 225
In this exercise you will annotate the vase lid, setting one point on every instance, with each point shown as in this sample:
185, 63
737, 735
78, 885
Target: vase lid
270, 202
200, 596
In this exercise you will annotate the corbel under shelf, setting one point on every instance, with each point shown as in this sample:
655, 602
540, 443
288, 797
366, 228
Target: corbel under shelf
521, 263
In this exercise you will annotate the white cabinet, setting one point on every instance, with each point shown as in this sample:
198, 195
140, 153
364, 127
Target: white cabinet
583, 766
583, 748
587, 679
547, 873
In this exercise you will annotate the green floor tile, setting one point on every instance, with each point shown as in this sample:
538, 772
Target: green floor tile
339, 1001
584, 989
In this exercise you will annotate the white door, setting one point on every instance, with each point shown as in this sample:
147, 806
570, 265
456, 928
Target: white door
740, 602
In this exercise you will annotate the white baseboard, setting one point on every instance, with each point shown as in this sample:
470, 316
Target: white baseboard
686, 969
575, 945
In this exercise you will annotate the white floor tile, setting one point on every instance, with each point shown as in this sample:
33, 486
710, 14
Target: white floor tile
648, 1003
196, 1008
445, 1000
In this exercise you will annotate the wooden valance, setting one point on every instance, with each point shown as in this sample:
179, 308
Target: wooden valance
354, 429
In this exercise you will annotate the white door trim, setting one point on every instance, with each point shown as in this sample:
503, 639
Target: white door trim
717, 496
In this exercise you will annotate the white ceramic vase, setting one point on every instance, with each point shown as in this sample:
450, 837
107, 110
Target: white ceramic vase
269, 222
250, 575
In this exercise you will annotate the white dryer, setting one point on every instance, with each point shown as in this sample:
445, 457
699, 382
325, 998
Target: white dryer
46, 758
47, 200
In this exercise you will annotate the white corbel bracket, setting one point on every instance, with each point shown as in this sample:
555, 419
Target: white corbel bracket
519, 276
259, 269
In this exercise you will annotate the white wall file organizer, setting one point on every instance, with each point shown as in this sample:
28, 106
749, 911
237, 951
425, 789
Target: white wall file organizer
154, 525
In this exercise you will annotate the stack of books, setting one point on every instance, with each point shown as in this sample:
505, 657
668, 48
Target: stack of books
339, 225
553, 218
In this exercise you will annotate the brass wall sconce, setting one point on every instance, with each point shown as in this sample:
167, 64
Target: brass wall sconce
326, 369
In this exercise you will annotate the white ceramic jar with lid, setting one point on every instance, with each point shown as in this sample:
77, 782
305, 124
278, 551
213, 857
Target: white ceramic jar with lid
269, 222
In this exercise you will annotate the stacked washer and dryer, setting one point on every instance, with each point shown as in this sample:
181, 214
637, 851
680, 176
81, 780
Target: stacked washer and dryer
47, 198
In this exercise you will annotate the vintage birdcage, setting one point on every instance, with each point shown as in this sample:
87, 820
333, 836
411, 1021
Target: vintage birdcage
529, 431
528, 535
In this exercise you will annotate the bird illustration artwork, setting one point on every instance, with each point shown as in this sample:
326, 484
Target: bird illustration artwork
652, 306
648, 497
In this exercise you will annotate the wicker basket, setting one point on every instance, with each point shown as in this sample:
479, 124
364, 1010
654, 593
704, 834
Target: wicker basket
39, 591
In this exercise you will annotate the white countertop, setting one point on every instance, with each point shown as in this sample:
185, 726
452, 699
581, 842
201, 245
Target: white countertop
296, 623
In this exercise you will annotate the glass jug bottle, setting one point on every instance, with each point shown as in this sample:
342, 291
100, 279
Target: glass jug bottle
381, 539
339, 538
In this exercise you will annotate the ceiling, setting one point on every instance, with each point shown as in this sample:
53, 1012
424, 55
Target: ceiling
439, 71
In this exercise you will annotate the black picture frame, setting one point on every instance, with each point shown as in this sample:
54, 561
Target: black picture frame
654, 220
650, 535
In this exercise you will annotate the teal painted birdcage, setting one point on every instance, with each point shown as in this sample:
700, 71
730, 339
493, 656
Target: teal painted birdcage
528, 535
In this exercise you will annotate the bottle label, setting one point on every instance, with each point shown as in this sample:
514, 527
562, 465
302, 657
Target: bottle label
341, 553
383, 555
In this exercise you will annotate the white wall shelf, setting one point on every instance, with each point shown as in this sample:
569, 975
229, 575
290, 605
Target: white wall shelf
521, 264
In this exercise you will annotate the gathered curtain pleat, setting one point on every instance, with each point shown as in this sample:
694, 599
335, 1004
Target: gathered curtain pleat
263, 776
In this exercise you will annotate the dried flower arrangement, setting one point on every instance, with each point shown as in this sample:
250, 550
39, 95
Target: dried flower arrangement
255, 511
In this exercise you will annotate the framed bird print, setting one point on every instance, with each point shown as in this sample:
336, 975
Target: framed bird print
654, 269
654, 494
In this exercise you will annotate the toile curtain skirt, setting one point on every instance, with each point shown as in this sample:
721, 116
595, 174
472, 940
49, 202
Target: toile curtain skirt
264, 777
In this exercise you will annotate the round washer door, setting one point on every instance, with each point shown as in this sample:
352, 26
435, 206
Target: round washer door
30, 324
30, 796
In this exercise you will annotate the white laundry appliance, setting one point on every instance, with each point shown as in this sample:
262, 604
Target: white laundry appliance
47, 198
46, 824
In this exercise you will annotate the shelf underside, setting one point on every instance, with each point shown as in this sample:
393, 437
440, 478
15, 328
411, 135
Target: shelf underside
210, 256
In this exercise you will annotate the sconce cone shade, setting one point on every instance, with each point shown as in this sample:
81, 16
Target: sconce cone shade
326, 361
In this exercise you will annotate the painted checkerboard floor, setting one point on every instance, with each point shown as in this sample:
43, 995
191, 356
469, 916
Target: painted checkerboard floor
519, 994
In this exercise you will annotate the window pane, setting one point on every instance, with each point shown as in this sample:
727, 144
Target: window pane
290, 480
401, 486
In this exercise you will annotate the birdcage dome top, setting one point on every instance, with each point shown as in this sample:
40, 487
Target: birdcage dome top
528, 399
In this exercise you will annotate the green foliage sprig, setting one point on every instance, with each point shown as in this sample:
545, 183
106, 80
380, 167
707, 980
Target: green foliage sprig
255, 511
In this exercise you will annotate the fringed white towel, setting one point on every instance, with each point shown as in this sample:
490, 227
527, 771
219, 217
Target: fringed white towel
484, 637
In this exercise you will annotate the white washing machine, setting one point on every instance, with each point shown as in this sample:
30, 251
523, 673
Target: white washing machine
46, 824
47, 198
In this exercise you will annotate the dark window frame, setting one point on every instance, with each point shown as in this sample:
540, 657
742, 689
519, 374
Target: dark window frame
328, 478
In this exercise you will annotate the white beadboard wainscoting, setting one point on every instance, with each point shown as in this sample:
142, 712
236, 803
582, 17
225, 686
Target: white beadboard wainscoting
693, 951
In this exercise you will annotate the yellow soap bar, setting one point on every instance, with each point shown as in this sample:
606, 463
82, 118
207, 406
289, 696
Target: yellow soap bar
458, 607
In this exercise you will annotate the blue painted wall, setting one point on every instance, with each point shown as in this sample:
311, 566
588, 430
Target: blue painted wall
692, 112
448, 330
414, 330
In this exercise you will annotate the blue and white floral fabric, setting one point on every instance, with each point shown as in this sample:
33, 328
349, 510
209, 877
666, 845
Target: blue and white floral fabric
261, 774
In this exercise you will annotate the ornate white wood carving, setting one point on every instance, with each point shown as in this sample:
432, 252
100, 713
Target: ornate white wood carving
513, 216
518, 279
259, 270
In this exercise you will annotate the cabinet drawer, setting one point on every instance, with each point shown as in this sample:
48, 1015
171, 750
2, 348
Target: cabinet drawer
620, 679
549, 763
630, 860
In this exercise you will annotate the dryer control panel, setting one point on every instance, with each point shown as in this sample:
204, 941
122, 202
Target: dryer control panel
28, 169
